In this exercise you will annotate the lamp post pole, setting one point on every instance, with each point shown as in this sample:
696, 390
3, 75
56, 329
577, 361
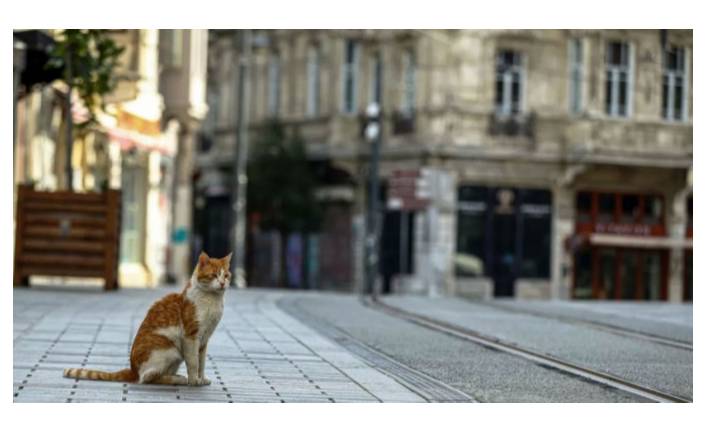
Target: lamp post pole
240, 162
373, 133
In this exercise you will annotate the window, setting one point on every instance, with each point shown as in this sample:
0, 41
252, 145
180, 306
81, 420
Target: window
133, 227
652, 275
674, 84
508, 83
606, 207
409, 81
690, 211
575, 75
583, 265
313, 73
350, 76
536, 220
618, 76
630, 209
376, 78
584, 206
470, 239
653, 210
273, 77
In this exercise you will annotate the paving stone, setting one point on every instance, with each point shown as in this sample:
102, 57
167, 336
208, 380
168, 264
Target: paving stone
257, 354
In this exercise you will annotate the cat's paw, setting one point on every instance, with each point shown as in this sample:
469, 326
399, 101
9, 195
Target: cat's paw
199, 381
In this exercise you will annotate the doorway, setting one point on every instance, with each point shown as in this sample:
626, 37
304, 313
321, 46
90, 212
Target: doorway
505, 254
396, 246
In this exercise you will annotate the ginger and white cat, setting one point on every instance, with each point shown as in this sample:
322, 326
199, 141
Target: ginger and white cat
176, 329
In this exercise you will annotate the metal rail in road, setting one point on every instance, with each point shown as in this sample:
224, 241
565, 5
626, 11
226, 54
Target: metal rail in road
536, 357
606, 327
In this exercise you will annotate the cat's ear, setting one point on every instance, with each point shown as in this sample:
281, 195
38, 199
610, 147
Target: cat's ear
203, 258
227, 258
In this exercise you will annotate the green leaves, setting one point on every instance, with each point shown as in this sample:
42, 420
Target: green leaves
281, 185
88, 58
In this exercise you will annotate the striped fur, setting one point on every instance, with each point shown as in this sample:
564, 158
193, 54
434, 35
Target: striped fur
126, 375
175, 330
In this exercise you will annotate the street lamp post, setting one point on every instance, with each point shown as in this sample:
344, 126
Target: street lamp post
373, 134
240, 163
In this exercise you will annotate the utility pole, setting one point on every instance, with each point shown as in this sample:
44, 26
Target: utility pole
373, 133
240, 160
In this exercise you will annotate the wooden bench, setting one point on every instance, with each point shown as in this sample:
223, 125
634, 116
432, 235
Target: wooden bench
67, 234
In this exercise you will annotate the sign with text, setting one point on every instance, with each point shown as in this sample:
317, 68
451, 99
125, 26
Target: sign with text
630, 229
408, 190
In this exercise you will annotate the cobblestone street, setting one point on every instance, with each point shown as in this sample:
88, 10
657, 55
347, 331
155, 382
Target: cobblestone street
257, 354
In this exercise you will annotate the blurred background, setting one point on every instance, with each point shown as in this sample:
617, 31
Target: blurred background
551, 164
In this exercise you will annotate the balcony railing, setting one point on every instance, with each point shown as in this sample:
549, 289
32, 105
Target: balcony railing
403, 122
515, 125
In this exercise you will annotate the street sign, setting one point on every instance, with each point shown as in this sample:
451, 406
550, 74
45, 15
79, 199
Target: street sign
408, 190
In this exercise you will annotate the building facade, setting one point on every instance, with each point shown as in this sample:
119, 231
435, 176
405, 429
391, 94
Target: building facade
554, 163
136, 146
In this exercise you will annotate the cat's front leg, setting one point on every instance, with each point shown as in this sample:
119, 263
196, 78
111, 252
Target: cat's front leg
191, 357
202, 364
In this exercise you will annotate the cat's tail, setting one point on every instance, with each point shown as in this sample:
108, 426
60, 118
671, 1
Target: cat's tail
126, 375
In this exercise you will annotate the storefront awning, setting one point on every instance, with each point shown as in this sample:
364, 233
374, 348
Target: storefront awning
128, 139
639, 241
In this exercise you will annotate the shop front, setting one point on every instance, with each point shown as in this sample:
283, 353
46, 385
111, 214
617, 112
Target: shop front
624, 251
503, 235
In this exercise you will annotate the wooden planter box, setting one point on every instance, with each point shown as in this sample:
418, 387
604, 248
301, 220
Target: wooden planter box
67, 234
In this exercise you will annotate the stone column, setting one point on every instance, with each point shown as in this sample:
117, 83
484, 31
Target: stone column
436, 235
676, 229
182, 235
563, 221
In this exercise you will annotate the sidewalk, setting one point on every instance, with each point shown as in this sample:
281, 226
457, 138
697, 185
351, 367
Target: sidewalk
257, 354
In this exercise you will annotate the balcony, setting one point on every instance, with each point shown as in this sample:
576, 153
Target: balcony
403, 122
513, 125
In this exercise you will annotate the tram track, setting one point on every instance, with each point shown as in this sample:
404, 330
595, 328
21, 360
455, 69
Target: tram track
429, 388
543, 359
629, 333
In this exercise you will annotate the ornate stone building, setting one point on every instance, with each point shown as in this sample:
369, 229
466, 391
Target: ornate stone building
557, 163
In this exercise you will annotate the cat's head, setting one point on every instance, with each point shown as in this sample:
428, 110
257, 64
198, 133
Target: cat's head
212, 274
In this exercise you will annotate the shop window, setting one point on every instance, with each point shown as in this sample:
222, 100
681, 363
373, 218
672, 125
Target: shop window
652, 276
606, 273
690, 211
583, 207
606, 207
688, 276
133, 203
583, 264
630, 208
628, 275
536, 212
653, 210
471, 229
